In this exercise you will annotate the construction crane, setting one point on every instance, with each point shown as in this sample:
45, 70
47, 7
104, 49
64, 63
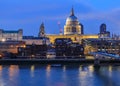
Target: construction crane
60, 29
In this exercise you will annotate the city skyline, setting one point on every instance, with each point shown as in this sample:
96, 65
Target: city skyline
29, 15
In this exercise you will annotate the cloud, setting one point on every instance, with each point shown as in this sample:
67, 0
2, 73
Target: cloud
112, 16
20, 12
106, 11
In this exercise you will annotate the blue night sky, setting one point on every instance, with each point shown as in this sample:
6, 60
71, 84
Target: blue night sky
29, 14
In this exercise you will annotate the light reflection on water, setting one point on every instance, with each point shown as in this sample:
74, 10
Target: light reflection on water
32, 69
65, 75
48, 68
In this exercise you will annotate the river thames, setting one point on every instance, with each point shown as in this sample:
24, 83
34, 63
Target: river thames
59, 75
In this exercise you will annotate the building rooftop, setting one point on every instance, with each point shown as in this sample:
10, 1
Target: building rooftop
10, 31
32, 37
11, 42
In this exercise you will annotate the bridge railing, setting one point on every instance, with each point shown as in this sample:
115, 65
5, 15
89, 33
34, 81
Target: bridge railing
103, 55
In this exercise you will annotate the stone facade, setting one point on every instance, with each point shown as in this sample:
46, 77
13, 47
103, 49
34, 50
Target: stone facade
31, 40
11, 35
72, 25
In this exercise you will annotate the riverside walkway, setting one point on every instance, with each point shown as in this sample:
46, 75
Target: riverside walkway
58, 61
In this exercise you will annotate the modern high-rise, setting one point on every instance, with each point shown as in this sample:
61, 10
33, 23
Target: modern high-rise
103, 33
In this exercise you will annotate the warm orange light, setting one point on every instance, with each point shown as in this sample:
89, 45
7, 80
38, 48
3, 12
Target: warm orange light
48, 68
0, 56
3, 40
24, 46
13, 70
1, 67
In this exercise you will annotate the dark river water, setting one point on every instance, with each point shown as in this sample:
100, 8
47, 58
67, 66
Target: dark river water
65, 75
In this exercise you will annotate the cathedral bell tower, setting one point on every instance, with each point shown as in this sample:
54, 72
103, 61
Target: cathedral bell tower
41, 31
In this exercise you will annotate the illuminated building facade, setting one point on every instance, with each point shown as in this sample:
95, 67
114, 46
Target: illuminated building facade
72, 25
35, 46
11, 40
11, 46
11, 35
103, 45
30, 40
72, 29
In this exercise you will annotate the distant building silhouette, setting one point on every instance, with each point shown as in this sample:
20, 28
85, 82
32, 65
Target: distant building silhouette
103, 33
115, 37
103, 28
82, 28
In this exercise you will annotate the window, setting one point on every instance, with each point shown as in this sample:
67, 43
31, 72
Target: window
73, 29
68, 29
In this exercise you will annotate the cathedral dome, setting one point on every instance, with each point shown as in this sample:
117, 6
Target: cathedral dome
72, 19
72, 25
